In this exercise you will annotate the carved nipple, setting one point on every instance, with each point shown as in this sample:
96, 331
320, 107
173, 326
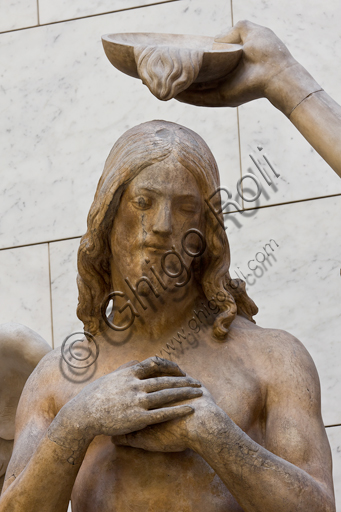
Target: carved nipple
167, 70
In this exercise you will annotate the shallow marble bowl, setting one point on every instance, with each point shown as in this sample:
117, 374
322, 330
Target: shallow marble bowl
219, 59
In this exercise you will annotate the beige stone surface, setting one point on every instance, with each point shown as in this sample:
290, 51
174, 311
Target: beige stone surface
59, 121
334, 436
310, 29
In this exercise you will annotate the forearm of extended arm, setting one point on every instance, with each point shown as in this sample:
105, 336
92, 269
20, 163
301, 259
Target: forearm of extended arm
258, 479
45, 484
314, 113
318, 118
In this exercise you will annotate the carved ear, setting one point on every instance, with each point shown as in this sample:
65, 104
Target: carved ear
167, 70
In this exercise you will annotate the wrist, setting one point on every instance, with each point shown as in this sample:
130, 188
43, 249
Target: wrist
289, 87
211, 422
69, 434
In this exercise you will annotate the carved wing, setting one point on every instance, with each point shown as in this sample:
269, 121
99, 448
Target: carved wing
21, 349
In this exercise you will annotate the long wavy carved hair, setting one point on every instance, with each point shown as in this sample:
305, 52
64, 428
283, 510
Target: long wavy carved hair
135, 150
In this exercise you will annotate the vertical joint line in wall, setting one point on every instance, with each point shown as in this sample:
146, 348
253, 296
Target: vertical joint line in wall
240, 154
50, 286
231, 3
38, 14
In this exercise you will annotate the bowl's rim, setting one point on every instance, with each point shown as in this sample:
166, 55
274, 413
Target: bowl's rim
232, 47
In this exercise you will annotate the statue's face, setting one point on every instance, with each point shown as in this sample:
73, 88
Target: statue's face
155, 211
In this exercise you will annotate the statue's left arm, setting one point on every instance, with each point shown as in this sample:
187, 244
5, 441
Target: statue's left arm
291, 470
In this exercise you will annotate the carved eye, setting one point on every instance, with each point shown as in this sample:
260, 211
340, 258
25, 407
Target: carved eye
189, 207
142, 203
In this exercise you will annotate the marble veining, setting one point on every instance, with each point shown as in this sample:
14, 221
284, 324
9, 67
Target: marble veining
60, 119
297, 288
63, 261
303, 173
312, 34
25, 288
63, 106
59, 10
16, 14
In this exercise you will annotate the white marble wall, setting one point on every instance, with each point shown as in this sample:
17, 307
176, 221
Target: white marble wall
58, 10
63, 106
63, 260
25, 288
312, 32
16, 14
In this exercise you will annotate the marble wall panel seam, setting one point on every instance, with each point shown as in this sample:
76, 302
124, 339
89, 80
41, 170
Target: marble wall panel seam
227, 213
87, 16
231, 5
50, 292
284, 203
262, 207
17, 14
18, 29
239, 143
260, 123
38, 14
84, 17
41, 243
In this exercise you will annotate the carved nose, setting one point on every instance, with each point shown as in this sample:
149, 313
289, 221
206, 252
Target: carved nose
163, 223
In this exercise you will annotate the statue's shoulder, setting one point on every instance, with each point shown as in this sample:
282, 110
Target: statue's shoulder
44, 389
21, 348
42, 383
286, 359
275, 349
268, 340
278, 343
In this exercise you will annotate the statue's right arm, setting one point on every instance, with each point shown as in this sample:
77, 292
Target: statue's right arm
268, 70
38, 476
49, 448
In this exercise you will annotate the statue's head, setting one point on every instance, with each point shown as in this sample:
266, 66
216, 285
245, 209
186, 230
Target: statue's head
152, 191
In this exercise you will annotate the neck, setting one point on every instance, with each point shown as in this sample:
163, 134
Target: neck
161, 307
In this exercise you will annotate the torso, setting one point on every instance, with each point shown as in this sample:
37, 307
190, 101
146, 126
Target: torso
121, 479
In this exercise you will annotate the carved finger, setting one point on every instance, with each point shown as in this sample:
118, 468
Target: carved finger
168, 413
144, 439
159, 383
127, 365
155, 367
166, 396
120, 440
232, 36
200, 97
